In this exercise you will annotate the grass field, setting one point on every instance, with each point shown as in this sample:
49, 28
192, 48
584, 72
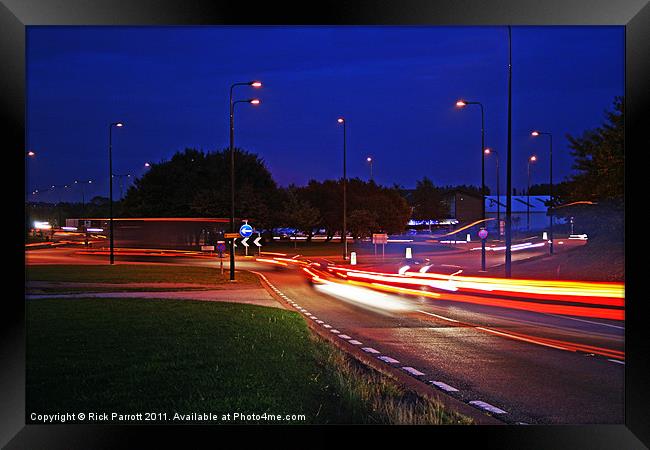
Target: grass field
135, 273
136, 355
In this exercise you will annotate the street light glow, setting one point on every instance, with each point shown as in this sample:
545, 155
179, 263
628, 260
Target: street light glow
461, 103
487, 151
369, 159
340, 120
119, 124
256, 84
147, 164
31, 153
533, 158
535, 133
255, 101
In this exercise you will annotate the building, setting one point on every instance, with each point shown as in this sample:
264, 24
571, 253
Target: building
520, 208
464, 206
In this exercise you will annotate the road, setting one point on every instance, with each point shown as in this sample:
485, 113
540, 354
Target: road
509, 359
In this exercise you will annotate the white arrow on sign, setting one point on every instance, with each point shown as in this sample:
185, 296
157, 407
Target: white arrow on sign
243, 241
234, 242
257, 241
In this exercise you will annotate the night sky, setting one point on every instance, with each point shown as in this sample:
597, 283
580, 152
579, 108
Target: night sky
396, 86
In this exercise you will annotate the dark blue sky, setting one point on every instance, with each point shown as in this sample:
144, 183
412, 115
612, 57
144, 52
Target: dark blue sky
396, 86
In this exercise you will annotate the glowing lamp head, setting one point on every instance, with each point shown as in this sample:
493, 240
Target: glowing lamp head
533, 158
340, 120
461, 103
487, 151
256, 84
31, 153
255, 101
90, 181
147, 164
369, 159
119, 124
535, 133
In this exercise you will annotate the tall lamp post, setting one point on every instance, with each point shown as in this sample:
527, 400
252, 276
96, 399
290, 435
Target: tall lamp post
550, 165
30, 155
462, 104
369, 160
252, 101
489, 151
531, 159
110, 183
344, 234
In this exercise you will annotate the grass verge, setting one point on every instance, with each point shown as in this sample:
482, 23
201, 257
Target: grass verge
135, 273
134, 356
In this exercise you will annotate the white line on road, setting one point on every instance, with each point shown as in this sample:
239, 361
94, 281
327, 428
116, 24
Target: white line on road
487, 407
412, 371
444, 386
369, 350
388, 359
588, 321
335, 331
616, 361
344, 336
327, 326
320, 321
436, 315
355, 342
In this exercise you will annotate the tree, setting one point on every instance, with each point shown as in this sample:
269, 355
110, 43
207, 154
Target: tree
197, 184
299, 213
599, 158
427, 201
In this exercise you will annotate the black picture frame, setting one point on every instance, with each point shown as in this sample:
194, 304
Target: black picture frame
15, 15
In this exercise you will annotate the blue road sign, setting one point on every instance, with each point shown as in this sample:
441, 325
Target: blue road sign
221, 247
246, 230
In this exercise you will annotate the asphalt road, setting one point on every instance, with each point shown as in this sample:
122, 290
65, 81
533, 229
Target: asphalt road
531, 383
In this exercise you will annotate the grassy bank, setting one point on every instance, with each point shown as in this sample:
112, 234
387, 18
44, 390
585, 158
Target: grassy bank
135, 273
131, 356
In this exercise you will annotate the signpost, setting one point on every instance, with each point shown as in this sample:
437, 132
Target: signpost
380, 238
221, 247
245, 231
257, 242
482, 233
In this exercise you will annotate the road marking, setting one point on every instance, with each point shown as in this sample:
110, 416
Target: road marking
436, 315
314, 317
388, 359
355, 342
334, 331
320, 321
588, 321
344, 336
369, 350
412, 371
487, 407
616, 361
523, 339
444, 386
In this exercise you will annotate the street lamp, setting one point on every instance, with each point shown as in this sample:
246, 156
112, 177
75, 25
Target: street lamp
463, 104
487, 152
536, 133
344, 234
532, 159
369, 160
253, 101
110, 183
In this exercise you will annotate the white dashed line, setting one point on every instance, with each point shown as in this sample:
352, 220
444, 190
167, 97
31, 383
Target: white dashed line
355, 342
439, 317
444, 386
320, 321
412, 371
344, 336
327, 326
335, 331
487, 407
369, 350
388, 359
616, 361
